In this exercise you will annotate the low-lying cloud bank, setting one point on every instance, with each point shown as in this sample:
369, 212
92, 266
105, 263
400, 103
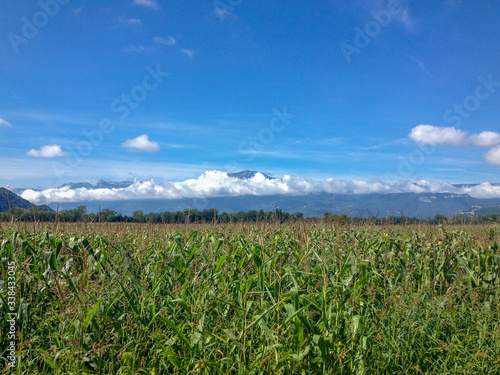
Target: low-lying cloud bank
219, 184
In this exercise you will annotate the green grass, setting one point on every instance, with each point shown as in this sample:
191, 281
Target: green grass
295, 299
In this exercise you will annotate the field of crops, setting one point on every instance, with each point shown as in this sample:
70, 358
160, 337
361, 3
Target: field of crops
257, 299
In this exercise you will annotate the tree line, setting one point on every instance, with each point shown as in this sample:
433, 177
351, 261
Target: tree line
409, 220
192, 215
188, 215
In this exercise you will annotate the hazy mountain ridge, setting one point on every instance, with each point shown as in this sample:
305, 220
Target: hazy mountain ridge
310, 204
381, 205
482, 210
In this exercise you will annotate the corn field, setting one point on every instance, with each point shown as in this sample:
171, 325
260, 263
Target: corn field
259, 299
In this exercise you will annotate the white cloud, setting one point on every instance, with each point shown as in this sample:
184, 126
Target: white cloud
493, 156
50, 151
441, 135
218, 184
158, 42
437, 135
406, 20
484, 190
141, 143
424, 186
188, 52
125, 21
486, 139
4, 123
170, 41
223, 13
147, 3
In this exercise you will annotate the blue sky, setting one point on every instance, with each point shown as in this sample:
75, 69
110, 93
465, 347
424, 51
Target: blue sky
324, 89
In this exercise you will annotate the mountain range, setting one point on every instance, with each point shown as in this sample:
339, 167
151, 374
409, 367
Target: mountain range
311, 204
101, 184
381, 205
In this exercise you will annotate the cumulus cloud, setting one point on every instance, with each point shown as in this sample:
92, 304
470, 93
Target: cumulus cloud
435, 135
493, 156
219, 184
170, 41
448, 135
50, 151
141, 143
4, 123
147, 3
486, 139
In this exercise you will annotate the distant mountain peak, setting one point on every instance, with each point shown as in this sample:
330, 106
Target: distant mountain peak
101, 184
245, 175
76, 185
